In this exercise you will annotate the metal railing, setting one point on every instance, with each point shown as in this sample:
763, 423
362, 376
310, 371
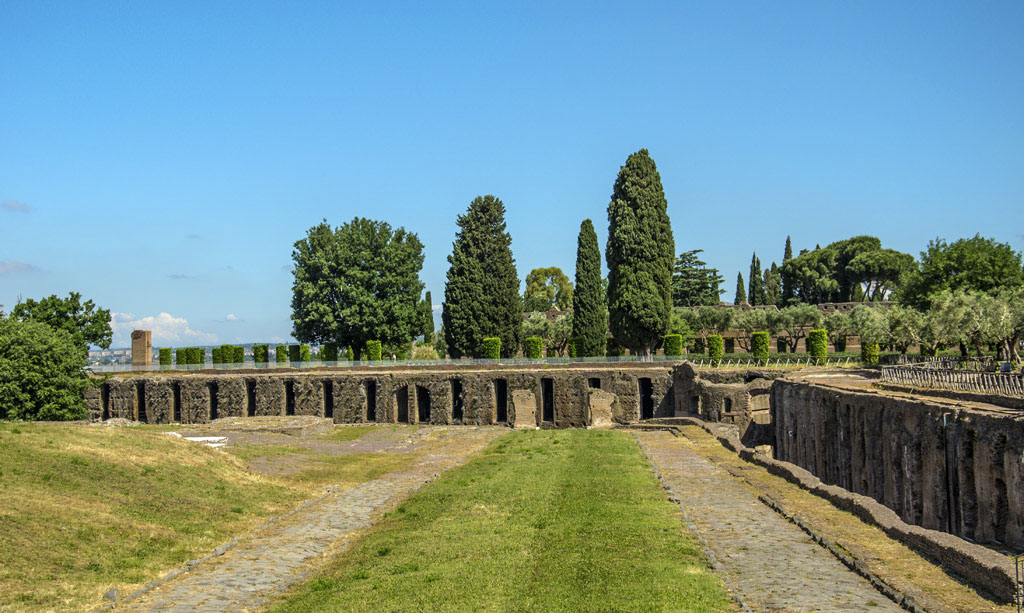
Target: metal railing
984, 363
925, 375
705, 362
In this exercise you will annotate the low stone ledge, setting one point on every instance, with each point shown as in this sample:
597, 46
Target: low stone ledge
979, 565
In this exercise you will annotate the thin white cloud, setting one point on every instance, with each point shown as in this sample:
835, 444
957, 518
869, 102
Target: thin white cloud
167, 330
435, 307
231, 317
16, 207
177, 276
7, 266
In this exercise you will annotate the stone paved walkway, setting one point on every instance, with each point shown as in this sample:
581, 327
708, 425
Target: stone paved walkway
244, 577
773, 564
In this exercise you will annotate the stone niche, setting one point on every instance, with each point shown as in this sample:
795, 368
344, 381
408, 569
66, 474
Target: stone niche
739, 397
601, 403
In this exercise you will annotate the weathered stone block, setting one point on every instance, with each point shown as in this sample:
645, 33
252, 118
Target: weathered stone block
523, 409
123, 398
231, 397
159, 401
308, 396
601, 409
195, 401
270, 396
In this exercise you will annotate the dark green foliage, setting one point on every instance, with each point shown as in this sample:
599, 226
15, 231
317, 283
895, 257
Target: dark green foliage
699, 346
165, 356
837, 272
784, 280
181, 355
613, 349
357, 283
755, 288
481, 295
590, 310
780, 345
216, 355
350, 355
674, 344
491, 349
534, 347
329, 353
547, 288
373, 351
281, 354
198, 355
82, 320
716, 347
817, 343
869, 353
640, 256
304, 353
693, 284
426, 319
741, 292
772, 286
841, 343
227, 354
261, 354
760, 344
969, 264
42, 372
571, 348
293, 353
730, 345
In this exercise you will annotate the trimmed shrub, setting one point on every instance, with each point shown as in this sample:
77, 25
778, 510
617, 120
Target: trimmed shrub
200, 355
165, 356
329, 352
181, 355
760, 344
730, 345
674, 344
373, 349
238, 354
491, 348
841, 343
817, 344
698, 345
281, 354
304, 353
293, 353
350, 354
216, 356
716, 348
533, 346
261, 354
869, 353
227, 354
571, 347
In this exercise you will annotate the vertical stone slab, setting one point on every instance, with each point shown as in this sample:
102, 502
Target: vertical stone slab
231, 397
159, 401
195, 401
142, 347
523, 409
309, 396
94, 403
270, 396
349, 400
123, 398
601, 403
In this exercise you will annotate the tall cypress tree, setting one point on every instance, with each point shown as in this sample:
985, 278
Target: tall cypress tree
741, 292
787, 283
590, 313
640, 256
481, 296
754, 282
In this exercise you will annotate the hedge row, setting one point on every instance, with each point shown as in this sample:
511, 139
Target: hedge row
189, 355
373, 349
165, 356
674, 344
760, 344
261, 354
817, 343
715, 346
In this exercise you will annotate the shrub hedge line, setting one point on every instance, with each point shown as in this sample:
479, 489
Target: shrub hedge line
533, 347
760, 344
491, 348
817, 343
373, 349
674, 344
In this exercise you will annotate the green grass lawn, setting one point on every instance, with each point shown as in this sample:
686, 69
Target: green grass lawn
570, 520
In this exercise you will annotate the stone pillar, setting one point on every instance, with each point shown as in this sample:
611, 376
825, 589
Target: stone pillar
601, 409
142, 347
524, 409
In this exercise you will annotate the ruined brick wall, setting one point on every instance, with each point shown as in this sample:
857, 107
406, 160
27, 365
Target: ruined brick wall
739, 397
939, 466
343, 394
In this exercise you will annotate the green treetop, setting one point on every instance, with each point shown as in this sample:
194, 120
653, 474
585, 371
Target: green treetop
546, 288
741, 292
590, 311
693, 284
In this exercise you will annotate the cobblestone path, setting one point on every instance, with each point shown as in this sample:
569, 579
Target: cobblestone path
772, 563
281, 555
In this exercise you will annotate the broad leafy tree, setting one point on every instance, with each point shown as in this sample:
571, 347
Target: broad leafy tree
357, 283
640, 256
42, 372
547, 288
590, 310
797, 321
693, 283
855, 269
84, 321
481, 295
969, 265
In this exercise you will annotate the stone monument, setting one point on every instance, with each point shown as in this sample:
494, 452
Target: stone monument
142, 347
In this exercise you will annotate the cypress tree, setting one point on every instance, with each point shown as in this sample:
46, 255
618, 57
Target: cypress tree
741, 293
754, 282
787, 283
590, 313
481, 295
640, 256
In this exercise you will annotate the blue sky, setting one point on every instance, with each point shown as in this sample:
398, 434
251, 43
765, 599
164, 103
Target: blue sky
163, 158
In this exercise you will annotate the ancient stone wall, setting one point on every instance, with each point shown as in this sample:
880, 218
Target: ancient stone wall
461, 395
739, 397
937, 465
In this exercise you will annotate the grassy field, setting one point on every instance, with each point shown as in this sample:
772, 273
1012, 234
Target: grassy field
85, 509
569, 520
